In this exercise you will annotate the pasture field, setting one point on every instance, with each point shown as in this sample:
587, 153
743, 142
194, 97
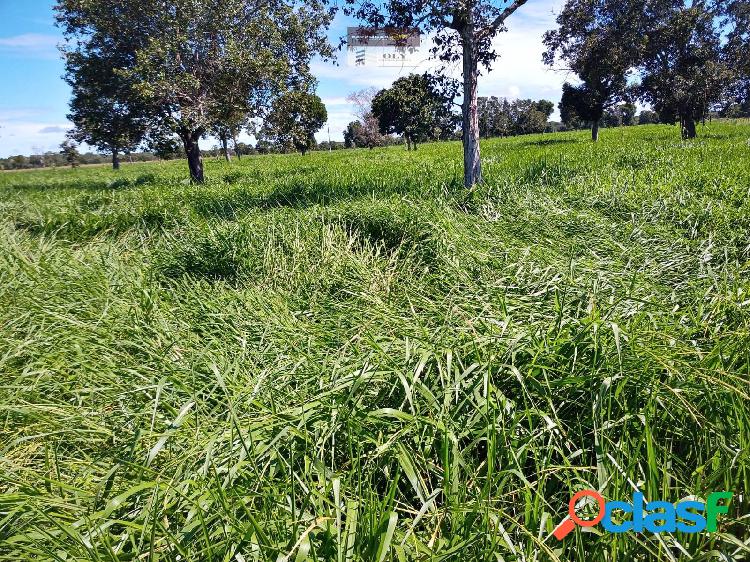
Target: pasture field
345, 356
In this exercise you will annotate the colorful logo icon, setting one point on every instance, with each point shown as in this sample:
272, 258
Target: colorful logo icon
639, 516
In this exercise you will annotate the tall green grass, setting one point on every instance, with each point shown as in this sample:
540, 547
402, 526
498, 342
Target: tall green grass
347, 357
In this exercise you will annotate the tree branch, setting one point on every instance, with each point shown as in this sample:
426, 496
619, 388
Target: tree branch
507, 12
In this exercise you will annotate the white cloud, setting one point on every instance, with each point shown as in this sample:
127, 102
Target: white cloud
335, 101
34, 45
52, 129
27, 137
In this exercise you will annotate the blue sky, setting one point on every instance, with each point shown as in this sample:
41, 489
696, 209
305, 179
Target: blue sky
34, 98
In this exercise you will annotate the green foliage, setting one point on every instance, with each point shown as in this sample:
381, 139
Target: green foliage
104, 109
69, 151
647, 117
293, 121
500, 118
682, 70
579, 104
418, 106
196, 63
348, 357
601, 42
627, 112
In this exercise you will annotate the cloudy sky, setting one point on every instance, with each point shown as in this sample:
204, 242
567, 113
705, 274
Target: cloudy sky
33, 97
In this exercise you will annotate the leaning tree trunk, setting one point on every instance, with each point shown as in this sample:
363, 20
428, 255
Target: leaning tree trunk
115, 159
193, 152
470, 115
595, 131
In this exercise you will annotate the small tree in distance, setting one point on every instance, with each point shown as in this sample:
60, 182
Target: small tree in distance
365, 132
648, 117
417, 106
580, 103
69, 150
499, 117
104, 109
363, 135
628, 111
293, 121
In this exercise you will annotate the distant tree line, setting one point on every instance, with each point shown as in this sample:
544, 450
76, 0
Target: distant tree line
61, 159
503, 118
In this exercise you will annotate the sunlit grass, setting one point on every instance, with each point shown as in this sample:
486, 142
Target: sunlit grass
345, 356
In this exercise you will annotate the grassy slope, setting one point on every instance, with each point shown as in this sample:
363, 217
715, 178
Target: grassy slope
345, 356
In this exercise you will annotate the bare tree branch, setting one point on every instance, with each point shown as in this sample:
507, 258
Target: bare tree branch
506, 13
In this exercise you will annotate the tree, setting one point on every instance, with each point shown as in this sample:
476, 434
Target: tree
417, 106
580, 105
163, 145
521, 117
612, 117
545, 107
104, 109
494, 117
187, 59
243, 149
351, 134
462, 31
599, 40
293, 121
69, 150
226, 128
365, 132
363, 135
737, 54
682, 70
648, 117
628, 111
529, 117
263, 146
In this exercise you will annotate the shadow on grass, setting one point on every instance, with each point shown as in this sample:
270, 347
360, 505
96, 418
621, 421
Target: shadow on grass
75, 184
549, 142
295, 195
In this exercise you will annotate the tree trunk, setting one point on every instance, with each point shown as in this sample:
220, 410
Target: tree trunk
193, 152
408, 143
225, 148
470, 123
115, 159
595, 131
688, 128
236, 149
